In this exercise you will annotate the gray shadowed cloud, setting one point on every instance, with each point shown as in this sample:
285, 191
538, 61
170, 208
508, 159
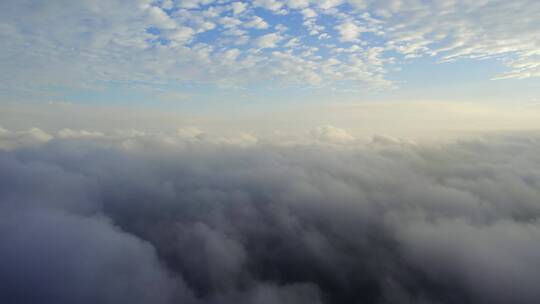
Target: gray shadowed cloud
95, 220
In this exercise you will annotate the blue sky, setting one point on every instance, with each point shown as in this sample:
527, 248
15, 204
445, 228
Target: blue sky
200, 54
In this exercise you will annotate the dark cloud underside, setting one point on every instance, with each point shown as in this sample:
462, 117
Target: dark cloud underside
84, 222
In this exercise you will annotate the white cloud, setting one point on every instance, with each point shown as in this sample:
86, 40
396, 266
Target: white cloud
281, 28
297, 4
329, 4
74, 134
268, 41
309, 13
239, 7
182, 34
194, 3
230, 22
349, 31
11, 140
160, 18
293, 42
190, 133
273, 5
256, 22
332, 134
167, 4
231, 55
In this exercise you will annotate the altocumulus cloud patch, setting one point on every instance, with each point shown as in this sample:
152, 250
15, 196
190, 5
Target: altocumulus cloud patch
95, 220
249, 43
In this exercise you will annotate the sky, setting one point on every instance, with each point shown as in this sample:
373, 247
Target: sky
204, 55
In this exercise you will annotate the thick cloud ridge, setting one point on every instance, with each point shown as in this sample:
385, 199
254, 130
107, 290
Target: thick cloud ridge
101, 220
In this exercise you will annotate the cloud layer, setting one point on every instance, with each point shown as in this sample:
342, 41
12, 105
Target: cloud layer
138, 219
238, 44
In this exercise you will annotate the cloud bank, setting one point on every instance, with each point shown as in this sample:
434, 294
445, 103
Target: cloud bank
86, 218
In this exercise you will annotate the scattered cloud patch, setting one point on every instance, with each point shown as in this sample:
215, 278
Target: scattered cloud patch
269, 41
11, 140
332, 134
184, 41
